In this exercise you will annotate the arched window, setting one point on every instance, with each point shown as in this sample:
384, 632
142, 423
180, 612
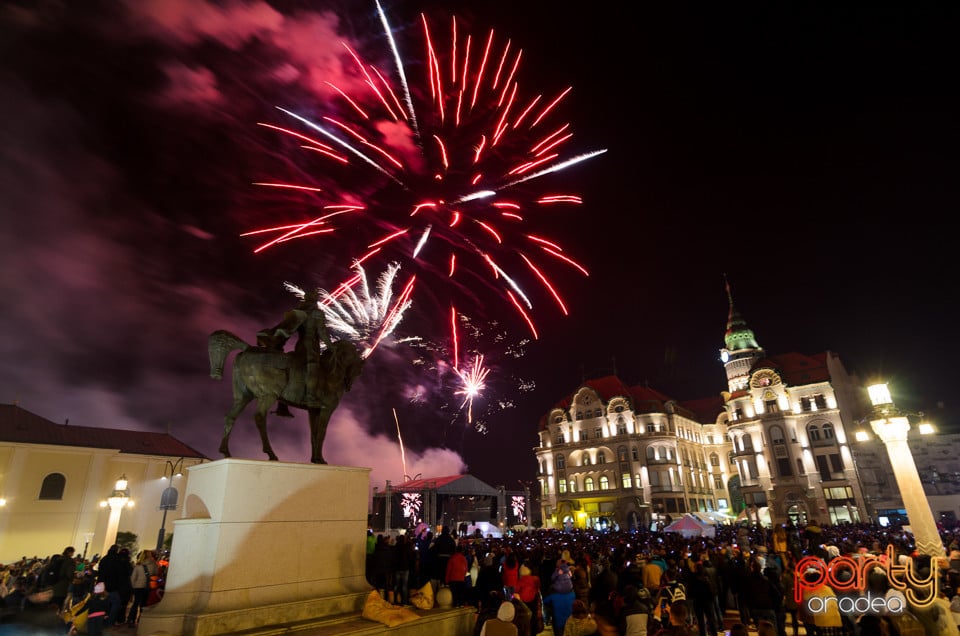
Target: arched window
585, 460
813, 432
604, 483
53, 486
588, 484
543, 467
669, 453
573, 485
651, 427
746, 442
622, 453
635, 453
776, 435
601, 458
827, 431
562, 486
627, 481
651, 452
561, 462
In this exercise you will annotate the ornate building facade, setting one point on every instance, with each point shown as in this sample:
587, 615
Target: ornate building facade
773, 446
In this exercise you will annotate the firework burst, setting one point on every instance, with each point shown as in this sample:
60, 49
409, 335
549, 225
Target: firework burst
438, 171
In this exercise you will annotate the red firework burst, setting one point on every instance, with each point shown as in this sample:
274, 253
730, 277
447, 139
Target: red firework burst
446, 172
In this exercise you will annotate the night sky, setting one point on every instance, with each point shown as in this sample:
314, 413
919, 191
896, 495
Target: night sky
810, 155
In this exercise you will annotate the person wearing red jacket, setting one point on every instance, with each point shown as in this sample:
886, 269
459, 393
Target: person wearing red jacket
456, 577
528, 589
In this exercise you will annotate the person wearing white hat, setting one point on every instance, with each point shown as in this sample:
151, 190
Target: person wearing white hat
502, 625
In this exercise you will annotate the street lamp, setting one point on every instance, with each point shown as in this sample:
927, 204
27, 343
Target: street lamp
117, 501
891, 425
168, 499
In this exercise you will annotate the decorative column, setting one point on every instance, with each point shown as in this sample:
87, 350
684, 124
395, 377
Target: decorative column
892, 426
117, 500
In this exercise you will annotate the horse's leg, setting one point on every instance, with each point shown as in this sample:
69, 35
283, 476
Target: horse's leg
319, 418
260, 417
240, 401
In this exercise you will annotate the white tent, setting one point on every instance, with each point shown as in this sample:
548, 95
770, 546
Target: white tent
689, 526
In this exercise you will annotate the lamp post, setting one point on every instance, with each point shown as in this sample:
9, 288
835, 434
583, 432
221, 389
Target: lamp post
168, 498
891, 425
87, 538
118, 499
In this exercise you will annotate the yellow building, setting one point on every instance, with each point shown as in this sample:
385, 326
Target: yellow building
56, 479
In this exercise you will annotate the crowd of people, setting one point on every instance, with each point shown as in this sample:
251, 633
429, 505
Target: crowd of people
641, 583
102, 594
840, 580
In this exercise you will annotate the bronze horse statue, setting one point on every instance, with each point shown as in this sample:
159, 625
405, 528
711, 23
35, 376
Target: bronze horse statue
269, 376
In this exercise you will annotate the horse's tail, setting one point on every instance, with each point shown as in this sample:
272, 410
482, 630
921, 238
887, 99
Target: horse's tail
219, 346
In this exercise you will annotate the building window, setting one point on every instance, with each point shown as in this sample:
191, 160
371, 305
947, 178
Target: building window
836, 463
771, 406
543, 467
604, 483
622, 454
714, 459
546, 487
820, 401
601, 458
718, 482
651, 452
827, 431
562, 486
776, 435
585, 460
53, 486
627, 482
588, 484
598, 432
635, 453
573, 485
559, 439
651, 427
783, 464
561, 462
581, 435
799, 466
621, 428
813, 433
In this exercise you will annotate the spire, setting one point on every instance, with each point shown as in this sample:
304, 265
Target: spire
738, 335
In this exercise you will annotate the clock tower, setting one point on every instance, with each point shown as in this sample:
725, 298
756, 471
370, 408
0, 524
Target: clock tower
741, 350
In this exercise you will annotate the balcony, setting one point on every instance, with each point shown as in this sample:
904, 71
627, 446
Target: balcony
667, 488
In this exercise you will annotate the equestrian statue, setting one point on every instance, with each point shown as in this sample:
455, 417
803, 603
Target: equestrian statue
311, 377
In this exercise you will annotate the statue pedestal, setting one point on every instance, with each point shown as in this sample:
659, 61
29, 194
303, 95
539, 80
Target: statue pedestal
264, 543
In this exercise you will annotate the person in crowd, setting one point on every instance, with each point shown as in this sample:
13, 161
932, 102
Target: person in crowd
441, 550
114, 572
98, 610
701, 593
510, 571
489, 606
528, 590
61, 568
76, 607
679, 621
634, 616
145, 568
456, 576
760, 595
581, 580
382, 569
560, 599
502, 623
404, 558
523, 617
580, 623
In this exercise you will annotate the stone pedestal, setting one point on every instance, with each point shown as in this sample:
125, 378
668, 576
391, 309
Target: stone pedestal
264, 543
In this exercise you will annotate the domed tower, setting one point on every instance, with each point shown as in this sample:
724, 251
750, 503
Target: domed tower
741, 351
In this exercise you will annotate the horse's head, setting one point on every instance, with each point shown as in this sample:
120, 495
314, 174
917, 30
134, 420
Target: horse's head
347, 363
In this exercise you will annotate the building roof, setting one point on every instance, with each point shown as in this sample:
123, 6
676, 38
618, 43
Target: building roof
452, 485
797, 369
23, 427
643, 399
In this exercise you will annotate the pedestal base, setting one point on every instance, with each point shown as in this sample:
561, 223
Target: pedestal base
264, 543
